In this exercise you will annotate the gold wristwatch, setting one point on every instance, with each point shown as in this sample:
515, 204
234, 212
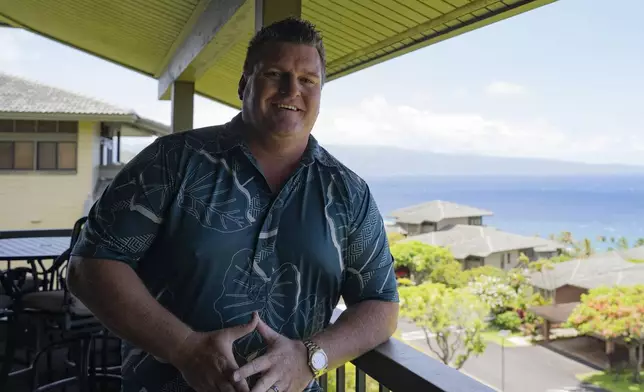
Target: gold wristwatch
318, 361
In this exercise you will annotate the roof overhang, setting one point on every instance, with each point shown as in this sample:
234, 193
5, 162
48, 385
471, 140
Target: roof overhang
204, 41
139, 126
556, 313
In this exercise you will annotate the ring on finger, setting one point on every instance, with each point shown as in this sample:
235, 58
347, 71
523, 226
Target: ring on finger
274, 389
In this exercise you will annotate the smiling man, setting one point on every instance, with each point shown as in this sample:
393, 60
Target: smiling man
219, 254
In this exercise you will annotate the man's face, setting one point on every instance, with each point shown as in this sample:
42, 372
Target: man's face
282, 95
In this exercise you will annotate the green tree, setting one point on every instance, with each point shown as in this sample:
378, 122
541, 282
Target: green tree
428, 263
452, 320
350, 380
394, 237
486, 270
639, 242
614, 313
495, 292
622, 243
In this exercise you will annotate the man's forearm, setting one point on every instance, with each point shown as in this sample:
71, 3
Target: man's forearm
358, 330
119, 299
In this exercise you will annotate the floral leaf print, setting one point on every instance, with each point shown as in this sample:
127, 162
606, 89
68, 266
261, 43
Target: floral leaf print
308, 318
249, 287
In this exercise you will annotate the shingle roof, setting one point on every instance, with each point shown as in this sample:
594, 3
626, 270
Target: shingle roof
602, 269
435, 211
18, 95
481, 241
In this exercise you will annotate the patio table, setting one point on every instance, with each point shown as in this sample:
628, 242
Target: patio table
32, 249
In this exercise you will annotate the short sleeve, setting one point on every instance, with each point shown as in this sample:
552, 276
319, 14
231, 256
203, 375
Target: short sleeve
125, 220
369, 267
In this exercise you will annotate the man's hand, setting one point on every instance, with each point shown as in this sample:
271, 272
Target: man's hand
206, 359
284, 365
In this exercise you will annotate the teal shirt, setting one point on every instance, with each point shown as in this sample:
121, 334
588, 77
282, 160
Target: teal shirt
195, 218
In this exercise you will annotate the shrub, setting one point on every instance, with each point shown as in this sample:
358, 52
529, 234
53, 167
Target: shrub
405, 282
509, 320
497, 294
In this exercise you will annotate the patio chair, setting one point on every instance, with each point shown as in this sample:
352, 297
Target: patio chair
12, 283
62, 321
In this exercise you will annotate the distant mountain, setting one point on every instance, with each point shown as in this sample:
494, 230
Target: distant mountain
390, 161
374, 161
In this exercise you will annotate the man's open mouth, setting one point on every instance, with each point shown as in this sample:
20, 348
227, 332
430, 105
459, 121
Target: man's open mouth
287, 107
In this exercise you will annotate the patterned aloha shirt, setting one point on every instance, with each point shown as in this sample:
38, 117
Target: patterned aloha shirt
194, 216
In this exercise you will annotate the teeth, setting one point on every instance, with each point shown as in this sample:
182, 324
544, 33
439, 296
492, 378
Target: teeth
289, 107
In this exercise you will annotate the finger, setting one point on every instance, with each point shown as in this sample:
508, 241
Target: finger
255, 366
228, 366
268, 380
224, 386
239, 331
267, 332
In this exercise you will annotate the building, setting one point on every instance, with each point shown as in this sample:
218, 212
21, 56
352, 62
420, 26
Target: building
58, 151
437, 215
567, 281
477, 246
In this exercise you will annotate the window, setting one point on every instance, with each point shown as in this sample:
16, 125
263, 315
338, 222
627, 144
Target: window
23, 155
6, 125
475, 221
473, 262
6, 155
38, 145
38, 126
67, 156
46, 155
16, 155
56, 156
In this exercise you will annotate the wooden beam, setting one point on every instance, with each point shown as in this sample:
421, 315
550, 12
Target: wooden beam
183, 101
213, 19
270, 11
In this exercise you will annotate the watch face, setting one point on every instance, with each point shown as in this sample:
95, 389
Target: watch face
318, 360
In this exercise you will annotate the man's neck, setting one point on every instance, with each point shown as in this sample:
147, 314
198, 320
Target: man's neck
277, 156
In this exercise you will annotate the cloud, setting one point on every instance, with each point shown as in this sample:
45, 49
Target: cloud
14, 53
375, 121
505, 88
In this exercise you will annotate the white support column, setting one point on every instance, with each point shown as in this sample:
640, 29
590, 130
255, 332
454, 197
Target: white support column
183, 102
270, 11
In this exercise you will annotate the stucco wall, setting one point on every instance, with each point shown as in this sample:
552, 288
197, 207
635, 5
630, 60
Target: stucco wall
50, 200
495, 259
567, 294
452, 221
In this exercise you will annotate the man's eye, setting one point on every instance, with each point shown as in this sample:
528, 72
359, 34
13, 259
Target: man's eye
307, 81
272, 74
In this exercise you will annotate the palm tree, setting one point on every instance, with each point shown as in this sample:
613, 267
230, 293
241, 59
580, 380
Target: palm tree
587, 247
622, 243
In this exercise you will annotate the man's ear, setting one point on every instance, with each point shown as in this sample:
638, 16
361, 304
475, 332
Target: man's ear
242, 86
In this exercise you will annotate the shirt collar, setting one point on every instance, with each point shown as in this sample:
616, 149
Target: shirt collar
231, 137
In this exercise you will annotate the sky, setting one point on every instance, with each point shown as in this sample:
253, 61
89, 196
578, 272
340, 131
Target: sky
564, 81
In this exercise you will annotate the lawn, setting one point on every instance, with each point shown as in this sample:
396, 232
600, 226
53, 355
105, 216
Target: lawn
492, 335
608, 382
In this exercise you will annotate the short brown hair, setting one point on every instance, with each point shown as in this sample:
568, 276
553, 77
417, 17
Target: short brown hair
290, 30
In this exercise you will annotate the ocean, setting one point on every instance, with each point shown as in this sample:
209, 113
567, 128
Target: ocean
588, 206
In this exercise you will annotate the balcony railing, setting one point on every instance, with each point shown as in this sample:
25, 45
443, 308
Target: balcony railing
109, 171
394, 365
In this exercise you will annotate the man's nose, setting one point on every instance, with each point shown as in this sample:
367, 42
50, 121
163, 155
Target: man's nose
289, 86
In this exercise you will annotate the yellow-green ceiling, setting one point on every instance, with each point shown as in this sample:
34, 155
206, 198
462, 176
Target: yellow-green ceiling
143, 34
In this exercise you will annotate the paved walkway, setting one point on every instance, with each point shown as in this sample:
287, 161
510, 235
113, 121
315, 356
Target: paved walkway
527, 369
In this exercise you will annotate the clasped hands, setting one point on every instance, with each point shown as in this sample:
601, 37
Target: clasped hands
207, 363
